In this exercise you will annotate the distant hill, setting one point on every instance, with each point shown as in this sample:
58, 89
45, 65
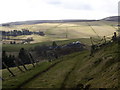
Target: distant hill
112, 18
43, 21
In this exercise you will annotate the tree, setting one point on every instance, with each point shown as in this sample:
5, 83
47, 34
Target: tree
23, 55
10, 61
4, 57
54, 44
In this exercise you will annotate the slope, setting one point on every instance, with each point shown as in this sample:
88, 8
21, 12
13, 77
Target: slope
81, 70
75, 70
99, 71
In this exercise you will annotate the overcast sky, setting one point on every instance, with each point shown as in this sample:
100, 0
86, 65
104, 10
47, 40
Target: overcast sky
21, 10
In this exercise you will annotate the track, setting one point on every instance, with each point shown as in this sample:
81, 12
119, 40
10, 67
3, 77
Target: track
64, 72
21, 85
67, 76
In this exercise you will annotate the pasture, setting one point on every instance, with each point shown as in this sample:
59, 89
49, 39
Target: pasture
62, 33
16, 47
66, 31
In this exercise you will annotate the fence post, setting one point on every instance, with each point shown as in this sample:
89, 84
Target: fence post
31, 59
18, 66
91, 40
105, 39
92, 47
8, 69
23, 65
114, 38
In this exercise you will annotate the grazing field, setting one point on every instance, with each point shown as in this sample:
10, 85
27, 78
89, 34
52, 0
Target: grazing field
17, 47
55, 77
65, 31
77, 70
82, 71
61, 32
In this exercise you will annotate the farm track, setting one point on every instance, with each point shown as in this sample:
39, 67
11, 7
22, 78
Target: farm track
54, 27
62, 86
21, 85
67, 76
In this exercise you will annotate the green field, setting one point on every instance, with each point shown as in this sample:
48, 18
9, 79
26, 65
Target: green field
73, 30
21, 77
17, 47
74, 70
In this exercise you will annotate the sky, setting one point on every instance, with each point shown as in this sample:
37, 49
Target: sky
22, 10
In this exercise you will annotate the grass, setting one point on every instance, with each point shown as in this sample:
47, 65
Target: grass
57, 31
14, 82
17, 47
98, 71
56, 75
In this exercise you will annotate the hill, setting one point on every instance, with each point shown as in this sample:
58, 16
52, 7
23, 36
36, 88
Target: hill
112, 18
77, 70
43, 21
81, 70
29, 22
64, 31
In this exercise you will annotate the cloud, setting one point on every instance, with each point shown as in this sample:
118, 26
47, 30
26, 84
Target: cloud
101, 5
53, 2
69, 4
20, 10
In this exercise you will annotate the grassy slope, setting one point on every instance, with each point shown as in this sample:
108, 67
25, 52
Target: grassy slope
100, 71
56, 75
13, 82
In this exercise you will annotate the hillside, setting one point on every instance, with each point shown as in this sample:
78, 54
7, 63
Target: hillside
44, 21
64, 31
99, 71
29, 22
112, 18
75, 71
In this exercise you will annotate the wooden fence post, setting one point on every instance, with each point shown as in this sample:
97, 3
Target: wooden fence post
23, 65
105, 39
8, 69
91, 40
18, 66
31, 59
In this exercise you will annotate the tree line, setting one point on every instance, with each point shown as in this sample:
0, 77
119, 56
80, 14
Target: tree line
23, 32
